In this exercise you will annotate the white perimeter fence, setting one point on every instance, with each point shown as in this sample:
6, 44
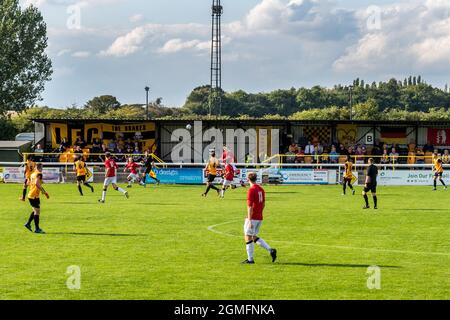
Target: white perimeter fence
280, 174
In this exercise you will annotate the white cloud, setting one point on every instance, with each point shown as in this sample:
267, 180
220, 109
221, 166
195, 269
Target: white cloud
136, 18
63, 52
152, 35
413, 35
36, 3
81, 54
176, 45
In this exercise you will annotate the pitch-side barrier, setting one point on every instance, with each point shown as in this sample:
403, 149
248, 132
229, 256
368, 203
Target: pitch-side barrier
268, 173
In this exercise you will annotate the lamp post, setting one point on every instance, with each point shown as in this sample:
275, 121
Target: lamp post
351, 102
147, 89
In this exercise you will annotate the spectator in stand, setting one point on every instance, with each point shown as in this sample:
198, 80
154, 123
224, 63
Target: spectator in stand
129, 151
80, 142
137, 155
359, 155
128, 144
309, 149
384, 157
300, 156
351, 152
316, 155
445, 157
428, 147
420, 156
96, 146
290, 157
325, 156
120, 155
38, 149
343, 151
334, 156
64, 145
120, 143
394, 156
293, 148
112, 146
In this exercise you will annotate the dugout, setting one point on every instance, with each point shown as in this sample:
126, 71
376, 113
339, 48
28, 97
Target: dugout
11, 151
162, 136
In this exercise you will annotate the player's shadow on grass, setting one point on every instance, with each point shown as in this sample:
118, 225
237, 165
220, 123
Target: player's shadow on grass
419, 209
333, 265
97, 234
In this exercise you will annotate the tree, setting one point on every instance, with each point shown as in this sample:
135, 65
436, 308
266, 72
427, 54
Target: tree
103, 104
24, 65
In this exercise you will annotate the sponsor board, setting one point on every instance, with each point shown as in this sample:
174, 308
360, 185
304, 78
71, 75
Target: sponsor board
241, 175
408, 177
293, 176
1, 175
177, 176
89, 175
16, 175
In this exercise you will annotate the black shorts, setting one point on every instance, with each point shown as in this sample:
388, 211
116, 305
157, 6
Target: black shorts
81, 178
211, 178
438, 174
371, 187
148, 170
35, 203
348, 180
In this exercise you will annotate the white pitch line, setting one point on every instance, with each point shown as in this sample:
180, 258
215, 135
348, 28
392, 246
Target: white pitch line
213, 229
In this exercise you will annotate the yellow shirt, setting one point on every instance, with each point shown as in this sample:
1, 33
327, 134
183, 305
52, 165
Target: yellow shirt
438, 167
80, 167
29, 168
212, 166
348, 170
35, 178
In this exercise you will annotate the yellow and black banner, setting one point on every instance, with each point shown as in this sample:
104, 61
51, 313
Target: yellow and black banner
143, 132
58, 132
346, 133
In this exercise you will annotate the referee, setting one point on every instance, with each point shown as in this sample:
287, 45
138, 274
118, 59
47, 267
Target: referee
371, 185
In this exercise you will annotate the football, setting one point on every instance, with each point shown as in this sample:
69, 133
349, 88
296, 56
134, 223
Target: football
188, 127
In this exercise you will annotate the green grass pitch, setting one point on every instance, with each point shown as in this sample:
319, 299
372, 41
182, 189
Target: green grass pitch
167, 242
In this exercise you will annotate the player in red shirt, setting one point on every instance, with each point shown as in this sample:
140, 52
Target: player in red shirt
133, 167
111, 177
256, 201
228, 178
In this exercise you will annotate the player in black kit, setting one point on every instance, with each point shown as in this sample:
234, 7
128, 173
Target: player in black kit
371, 185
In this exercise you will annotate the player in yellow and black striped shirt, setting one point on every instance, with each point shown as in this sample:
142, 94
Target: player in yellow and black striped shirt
438, 172
348, 176
211, 168
35, 184
30, 165
81, 171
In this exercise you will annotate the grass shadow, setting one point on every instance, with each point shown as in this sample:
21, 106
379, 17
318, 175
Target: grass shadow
334, 265
97, 234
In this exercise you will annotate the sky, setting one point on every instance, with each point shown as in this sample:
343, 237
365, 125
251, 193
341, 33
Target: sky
118, 47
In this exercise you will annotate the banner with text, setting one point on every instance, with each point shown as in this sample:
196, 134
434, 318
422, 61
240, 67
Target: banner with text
16, 175
177, 176
408, 178
293, 176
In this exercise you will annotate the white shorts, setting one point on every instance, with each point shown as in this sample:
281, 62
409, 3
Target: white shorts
109, 181
133, 176
227, 183
254, 230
